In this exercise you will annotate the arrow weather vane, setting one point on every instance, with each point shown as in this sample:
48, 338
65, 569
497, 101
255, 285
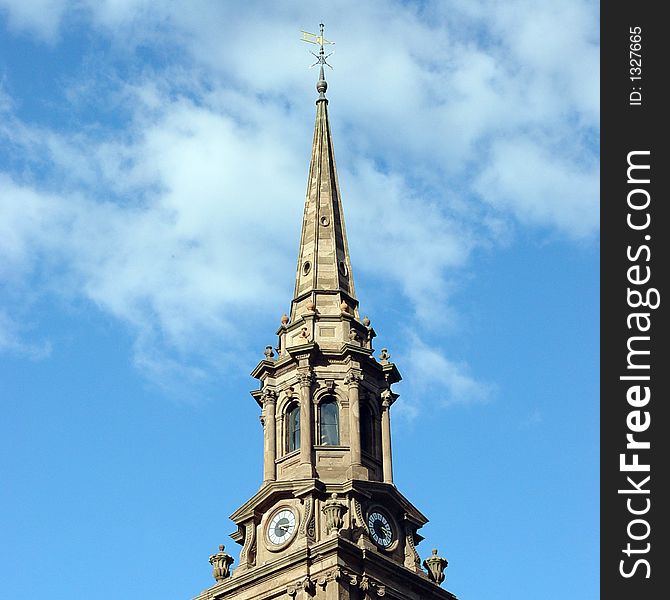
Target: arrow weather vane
321, 41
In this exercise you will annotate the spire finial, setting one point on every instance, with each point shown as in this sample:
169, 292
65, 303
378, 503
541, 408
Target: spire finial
321, 84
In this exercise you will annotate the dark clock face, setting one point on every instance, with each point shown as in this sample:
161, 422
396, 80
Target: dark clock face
380, 529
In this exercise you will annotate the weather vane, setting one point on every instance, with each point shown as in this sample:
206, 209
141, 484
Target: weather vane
312, 38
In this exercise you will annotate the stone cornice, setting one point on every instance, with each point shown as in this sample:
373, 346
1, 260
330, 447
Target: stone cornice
270, 492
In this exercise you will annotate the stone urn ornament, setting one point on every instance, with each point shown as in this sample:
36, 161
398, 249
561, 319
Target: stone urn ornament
435, 566
221, 563
334, 510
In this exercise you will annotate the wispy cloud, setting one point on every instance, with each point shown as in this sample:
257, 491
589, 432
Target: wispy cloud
13, 339
181, 217
447, 383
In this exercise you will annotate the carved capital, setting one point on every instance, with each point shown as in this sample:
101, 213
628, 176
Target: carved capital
387, 398
268, 397
306, 378
353, 378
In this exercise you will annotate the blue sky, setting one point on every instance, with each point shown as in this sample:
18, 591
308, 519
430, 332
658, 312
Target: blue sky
153, 165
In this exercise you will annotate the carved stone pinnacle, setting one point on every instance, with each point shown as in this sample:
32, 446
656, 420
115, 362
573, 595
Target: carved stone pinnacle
334, 510
435, 565
221, 563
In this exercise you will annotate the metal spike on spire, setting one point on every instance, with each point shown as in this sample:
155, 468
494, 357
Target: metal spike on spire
321, 58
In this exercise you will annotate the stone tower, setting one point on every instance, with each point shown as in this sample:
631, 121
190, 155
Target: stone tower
328, 521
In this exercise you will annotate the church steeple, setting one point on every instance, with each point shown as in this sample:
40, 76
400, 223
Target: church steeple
328, 522
324, 277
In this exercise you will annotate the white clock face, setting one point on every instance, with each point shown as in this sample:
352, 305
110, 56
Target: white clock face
380, 529
281, 527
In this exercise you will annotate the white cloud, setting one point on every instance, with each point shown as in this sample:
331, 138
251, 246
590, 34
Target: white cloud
39, 17
443, 381
183, 218
13, 340
540, 188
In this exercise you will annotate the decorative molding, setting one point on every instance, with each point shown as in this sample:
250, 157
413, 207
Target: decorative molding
307, 527
331, 576
248, 554
305, 584
358, 512
364, 582
412, 558
360, 533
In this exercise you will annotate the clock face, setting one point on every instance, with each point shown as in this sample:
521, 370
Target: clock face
380, 529
282, 526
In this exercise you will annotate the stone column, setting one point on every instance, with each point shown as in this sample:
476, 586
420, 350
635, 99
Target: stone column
270, 436
356, 470
306, 426
353, 381
387, 400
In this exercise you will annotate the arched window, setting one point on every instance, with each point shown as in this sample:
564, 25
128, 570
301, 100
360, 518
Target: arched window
293, 428
329, 423
366, 429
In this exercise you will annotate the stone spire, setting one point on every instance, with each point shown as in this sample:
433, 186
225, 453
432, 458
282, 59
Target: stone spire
324, 279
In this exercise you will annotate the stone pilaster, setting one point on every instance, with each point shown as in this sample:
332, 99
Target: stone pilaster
306, 379
387, 400
356, 469
269, 436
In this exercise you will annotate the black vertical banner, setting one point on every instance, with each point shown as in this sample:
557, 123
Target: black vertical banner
635, 359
